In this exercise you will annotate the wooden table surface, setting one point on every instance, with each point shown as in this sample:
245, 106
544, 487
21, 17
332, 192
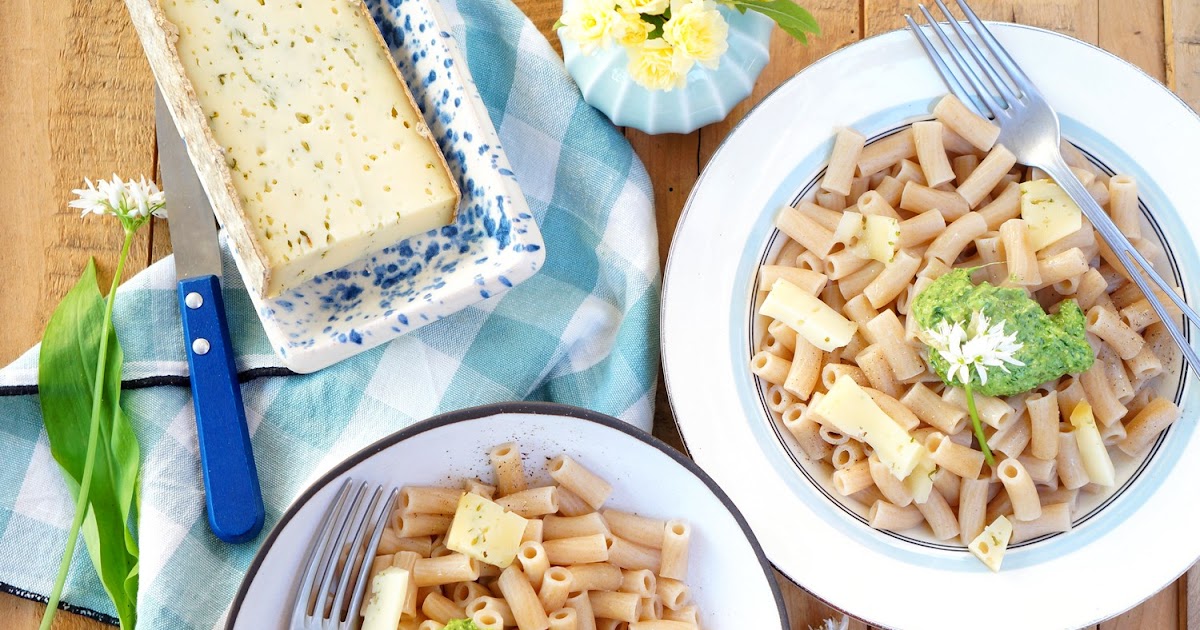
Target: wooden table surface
77, 100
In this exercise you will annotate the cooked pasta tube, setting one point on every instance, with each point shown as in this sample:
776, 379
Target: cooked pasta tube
1147, 425
949, 244
1107, 325
487, 619
769, 367
448, 569
980, 132
805, 230
582, 605
576, 550
1019, 255
533, 561
519, 594
884, 153
847, 147
893, 279
674, 559
1055, 517
846, 455
475, 486
993, 411
532, 502
1123, 205
888, 332
510, 471
440, 608
628, 555
687, 613
1070, 464
1043, 424
808, 437
662, 624
429, 500
939, 516
873, 203
555, 527
989, 173
852, 479
931, 153
584, 483
945, 416
872, 363
597, 576
972, 507
1012, 438
675, 594
811, 282
419, 525
1097, 389
463, 593
614, 605
961, 460
884, 515
923, 199
805, 370
921, 229
643, 582
889, 486
554, 589
564, 619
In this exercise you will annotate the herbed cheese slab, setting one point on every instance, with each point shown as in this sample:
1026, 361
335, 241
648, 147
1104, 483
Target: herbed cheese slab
301, 128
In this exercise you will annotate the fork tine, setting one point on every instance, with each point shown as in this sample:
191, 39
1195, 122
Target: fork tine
379, 523
965, 68
333, 552
1006, 60
935, 57
981, 60
354, 558
304, 594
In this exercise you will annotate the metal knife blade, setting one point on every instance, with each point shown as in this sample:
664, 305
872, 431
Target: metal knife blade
193, 228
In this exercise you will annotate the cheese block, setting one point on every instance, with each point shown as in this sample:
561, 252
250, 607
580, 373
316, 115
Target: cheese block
303, 132
811, 318
483, 530
850, 409
1049, 213
385, 599
991, 544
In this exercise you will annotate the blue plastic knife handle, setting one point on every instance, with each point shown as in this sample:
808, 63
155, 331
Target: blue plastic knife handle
235, 505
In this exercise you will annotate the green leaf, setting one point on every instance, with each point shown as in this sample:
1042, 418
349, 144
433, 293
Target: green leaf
66, 377
791, 17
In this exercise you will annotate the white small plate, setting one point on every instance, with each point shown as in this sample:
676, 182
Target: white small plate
1119, 553
493, 245
730, 579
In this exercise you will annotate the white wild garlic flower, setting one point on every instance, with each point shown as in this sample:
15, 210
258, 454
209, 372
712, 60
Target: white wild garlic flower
980, 346
131, 200
833, 624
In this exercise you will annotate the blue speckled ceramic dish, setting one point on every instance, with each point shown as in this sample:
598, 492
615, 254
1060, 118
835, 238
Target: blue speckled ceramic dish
493, 245
708, 97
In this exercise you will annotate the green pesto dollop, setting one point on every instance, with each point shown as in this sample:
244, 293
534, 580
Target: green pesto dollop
1053, 345
460, 624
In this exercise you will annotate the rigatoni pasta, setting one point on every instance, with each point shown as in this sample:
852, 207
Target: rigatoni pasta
538, 557
958, 200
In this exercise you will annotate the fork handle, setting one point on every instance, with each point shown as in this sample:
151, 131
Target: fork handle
1127, 254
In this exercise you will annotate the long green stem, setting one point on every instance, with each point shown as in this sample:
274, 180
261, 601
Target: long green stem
89, 465
978, 425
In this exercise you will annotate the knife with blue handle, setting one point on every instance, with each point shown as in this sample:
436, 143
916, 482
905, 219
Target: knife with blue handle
232, 494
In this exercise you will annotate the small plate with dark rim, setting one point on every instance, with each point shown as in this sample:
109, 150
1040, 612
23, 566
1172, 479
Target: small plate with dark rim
731, 581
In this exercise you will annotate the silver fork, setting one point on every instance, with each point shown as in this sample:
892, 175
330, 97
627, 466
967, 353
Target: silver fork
1029, 128
339, 559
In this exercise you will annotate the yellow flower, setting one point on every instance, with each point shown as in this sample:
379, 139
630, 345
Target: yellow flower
630, 30
653, 7
698, 31
590, 24
656, 65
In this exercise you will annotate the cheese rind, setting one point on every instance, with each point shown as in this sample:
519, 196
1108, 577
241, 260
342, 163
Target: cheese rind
1049, 213
385, 599
483, 530
327, 154
811, 318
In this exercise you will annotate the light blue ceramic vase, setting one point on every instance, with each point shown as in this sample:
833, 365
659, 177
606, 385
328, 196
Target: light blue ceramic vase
708, 97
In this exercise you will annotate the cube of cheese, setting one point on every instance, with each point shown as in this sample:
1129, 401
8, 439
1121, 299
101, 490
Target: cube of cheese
328, 157
811, 318
881, 237
385, 599
991, 544
850, 409
1048, 212
483, 530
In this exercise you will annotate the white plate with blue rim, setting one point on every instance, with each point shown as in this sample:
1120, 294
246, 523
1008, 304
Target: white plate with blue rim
493, 245
731, 583
1123, 547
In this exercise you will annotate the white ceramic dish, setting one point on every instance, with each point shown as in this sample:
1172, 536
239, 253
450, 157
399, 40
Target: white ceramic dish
493, 245
1119, 553
731, 581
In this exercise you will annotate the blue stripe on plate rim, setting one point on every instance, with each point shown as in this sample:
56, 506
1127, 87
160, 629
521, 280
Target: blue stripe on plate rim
1129, 497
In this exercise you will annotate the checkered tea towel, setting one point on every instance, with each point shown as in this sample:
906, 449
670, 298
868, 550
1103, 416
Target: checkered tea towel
582, 331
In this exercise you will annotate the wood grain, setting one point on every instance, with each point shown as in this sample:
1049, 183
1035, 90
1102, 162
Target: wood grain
78, 102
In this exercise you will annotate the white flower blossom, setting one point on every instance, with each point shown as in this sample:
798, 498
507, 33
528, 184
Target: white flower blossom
123, 199
833, 624
980, 346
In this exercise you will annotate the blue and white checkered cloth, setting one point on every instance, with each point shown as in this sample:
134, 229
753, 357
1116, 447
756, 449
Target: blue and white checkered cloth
583, 331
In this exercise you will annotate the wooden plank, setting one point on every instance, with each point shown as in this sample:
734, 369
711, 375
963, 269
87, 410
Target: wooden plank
806, 611
1134, 32
840, 25
1182, 19
1160, 611
1077, 18
1189, 599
